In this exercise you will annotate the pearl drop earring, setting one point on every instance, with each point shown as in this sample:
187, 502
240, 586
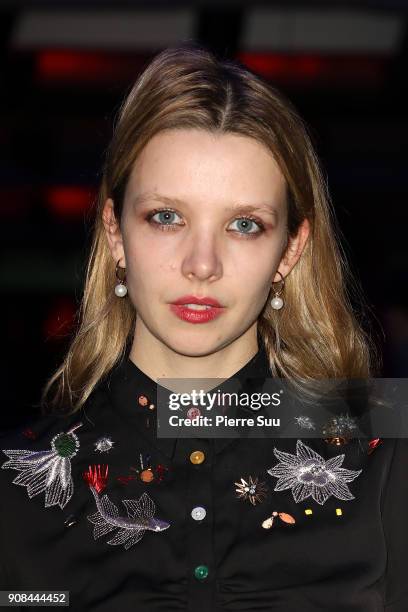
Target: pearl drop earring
120, 288
277, 301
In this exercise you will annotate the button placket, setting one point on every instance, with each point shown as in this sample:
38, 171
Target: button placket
199, 456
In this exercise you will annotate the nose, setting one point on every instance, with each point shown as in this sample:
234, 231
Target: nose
202, 260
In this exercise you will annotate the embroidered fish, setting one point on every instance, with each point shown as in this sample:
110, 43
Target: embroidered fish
308, 474
140, 513
48, 470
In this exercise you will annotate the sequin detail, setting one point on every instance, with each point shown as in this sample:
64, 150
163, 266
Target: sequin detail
130, 530
308, 474
48, 471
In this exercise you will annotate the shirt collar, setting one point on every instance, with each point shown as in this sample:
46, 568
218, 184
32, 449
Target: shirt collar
126, 382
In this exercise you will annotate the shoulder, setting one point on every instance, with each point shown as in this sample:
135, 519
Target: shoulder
29, 447
34, 430
37, 455
57, 433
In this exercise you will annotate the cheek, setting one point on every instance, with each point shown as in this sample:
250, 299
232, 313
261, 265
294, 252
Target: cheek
148, 277
155, 254
260, 289
250, 291
255, 273
142, 259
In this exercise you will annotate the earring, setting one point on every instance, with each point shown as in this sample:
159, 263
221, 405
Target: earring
276, 301
120, 288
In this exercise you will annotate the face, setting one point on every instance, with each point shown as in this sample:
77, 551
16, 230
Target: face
185, 232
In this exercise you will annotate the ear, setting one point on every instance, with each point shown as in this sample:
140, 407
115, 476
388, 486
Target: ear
113, 233
294, 249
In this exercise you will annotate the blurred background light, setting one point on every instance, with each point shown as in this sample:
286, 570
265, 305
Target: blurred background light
65, 68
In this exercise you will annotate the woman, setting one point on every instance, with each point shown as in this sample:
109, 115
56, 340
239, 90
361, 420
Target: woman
211, 195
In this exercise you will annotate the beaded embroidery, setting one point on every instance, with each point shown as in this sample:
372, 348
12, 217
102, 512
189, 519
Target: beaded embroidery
305, 422
104, 445
286, 518
308, 474
253, 490
48, 471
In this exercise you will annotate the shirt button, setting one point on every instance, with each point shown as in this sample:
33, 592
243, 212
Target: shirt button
198, 513
201, 572
197, 457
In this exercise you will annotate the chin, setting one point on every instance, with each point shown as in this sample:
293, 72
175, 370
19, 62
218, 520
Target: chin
192, 345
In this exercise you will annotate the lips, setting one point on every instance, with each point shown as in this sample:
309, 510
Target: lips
194, 315
191, 299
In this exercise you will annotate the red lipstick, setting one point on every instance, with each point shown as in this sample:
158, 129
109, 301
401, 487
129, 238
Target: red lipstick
181, 309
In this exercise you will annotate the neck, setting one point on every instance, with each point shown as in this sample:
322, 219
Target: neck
158, 360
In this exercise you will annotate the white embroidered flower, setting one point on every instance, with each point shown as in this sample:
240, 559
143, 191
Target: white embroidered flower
308, 474
48, 471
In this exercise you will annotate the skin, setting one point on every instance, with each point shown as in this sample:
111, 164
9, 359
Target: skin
204, 251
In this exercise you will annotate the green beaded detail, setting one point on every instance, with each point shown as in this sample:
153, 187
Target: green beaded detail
201, 572
65, 445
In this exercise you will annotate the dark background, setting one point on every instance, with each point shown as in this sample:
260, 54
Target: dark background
64, 70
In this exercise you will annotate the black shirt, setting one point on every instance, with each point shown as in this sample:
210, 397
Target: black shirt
168, 524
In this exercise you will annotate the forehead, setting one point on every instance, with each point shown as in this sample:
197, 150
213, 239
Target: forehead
199, 164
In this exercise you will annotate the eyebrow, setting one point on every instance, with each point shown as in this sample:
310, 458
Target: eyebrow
245, 208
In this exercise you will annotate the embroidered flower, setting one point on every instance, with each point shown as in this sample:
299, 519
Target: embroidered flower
48, 471
253, 490
308, 474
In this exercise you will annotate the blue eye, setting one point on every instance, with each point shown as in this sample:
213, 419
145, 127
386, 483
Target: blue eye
166, 216
247, 221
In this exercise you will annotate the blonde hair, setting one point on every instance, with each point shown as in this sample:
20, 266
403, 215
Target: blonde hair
317, 333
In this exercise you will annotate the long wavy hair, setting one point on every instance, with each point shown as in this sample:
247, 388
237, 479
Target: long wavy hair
319, 332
